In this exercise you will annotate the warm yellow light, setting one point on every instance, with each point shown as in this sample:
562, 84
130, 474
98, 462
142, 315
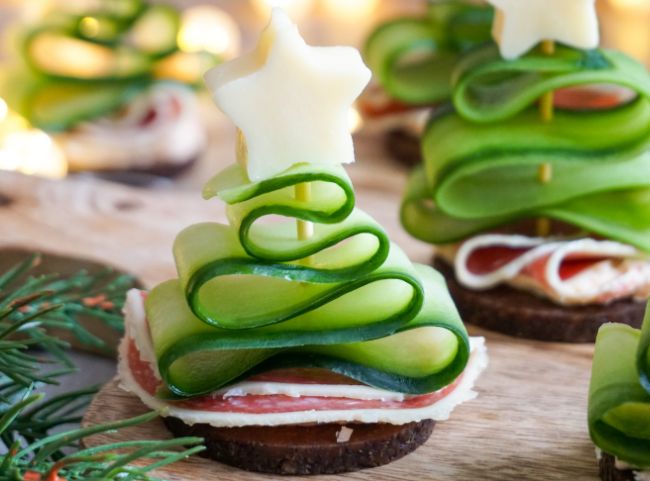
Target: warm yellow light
631, 4
354, 120
89, 26
4, 110
350, 9
183, 67
32, 152
210, 29
72, 57
297, 9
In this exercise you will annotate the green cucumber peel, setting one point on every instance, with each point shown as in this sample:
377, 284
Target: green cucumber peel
250, 297
57, 106
196, 358
494, 172
643, 355
126, 43
482, 155
489, 89
332, 203
619, 215
155, 30
619, 393
413, 57
126, 63
211, 263
425, 221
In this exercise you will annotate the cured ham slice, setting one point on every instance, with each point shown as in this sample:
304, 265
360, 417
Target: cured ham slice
568, 271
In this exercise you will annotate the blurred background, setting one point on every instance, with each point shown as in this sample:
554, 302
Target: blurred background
112, 88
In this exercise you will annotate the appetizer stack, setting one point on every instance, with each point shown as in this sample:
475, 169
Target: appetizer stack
619, 402
534, 184
112, 86
297, 339
413, 60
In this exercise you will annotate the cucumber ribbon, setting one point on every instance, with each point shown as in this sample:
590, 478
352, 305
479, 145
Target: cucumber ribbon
83, 65
251, 297
482, 154
413, 57
619, 395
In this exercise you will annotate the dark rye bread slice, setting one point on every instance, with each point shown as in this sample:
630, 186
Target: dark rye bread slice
146, 176
403, 146
609, 471
306, 449
522, 314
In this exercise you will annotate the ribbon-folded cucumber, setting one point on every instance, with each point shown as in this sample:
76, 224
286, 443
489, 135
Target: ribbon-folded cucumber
483, 154
413, 57
619, 395
86, 63
251, 297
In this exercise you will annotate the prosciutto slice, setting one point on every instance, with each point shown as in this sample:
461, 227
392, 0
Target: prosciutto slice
568, 271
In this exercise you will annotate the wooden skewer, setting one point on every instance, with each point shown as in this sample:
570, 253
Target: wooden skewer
241, 150
547, 112
304, 228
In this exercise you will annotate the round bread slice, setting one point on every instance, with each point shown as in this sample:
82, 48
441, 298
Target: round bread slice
307, 449
146, 176
522, 314
403, 146
609, 471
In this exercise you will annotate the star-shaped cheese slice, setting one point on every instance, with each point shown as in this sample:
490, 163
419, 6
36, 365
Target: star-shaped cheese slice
520, 25
290, 100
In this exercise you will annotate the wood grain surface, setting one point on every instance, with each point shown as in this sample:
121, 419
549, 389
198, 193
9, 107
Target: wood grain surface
529, 422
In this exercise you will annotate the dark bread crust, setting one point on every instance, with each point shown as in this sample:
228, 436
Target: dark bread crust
522, 314
144, 175
306, 449
609, 471
403, 146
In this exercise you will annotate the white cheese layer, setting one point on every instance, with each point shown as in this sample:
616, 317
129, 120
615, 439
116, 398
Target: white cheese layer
174, 136
137, 330
318, 390
624, 272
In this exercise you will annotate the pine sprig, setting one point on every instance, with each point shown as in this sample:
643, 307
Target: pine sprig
98, 296
30, 356
113, 461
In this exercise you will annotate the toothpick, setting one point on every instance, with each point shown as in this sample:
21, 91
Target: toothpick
547, 112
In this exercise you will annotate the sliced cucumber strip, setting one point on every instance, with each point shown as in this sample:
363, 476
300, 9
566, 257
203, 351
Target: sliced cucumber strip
60, 55
482, 155
413, 58
619, 394
58, 106
196, 358
247, 300
155, 31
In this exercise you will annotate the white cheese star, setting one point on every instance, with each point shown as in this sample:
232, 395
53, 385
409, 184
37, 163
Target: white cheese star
519, 25
290, 100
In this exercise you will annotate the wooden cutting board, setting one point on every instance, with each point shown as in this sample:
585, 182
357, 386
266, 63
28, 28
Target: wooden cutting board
529, 422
